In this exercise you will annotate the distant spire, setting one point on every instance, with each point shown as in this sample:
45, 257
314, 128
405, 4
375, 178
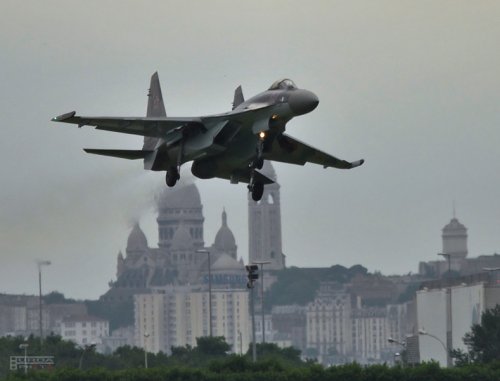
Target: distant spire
224, 217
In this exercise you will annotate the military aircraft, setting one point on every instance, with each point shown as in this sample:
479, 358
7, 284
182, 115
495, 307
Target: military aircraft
232, 145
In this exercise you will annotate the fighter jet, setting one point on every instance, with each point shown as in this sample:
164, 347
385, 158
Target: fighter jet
232, 145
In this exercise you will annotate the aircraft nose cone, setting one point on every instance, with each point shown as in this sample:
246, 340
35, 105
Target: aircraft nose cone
302, 101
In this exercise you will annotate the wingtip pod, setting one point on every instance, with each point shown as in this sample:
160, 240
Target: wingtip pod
63, 117
357, 163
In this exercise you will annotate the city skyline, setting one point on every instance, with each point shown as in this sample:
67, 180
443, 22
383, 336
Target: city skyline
412, 87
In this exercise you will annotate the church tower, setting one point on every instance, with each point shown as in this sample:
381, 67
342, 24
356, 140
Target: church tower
264, 225
180, 206
455, 239
224, 240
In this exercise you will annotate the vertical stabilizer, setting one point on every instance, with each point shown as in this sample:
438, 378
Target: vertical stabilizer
156, 108
238, 97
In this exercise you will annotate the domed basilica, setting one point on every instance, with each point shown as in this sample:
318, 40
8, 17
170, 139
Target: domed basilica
177, 260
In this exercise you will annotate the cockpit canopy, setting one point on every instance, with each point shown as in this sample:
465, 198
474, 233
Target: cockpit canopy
283, 84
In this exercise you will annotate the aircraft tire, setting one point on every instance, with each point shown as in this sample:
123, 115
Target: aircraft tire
257, 191
171, 178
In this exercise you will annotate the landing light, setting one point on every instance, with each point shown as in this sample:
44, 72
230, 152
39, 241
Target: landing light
262, 134
275, 116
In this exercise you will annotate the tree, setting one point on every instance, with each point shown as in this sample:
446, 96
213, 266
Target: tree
56, 297
212, 346
483, 342
272, 351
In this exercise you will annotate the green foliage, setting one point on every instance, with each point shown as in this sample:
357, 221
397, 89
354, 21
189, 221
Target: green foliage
409, 293
207, 349
460, 358
209, 362
236, 368
119, 314
299, 285
56, 297
212, 346
483, 342
269, 351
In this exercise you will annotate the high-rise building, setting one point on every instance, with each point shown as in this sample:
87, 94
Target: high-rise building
329, 323
447, 309
264, 224
84, 329
176, 316
369, 333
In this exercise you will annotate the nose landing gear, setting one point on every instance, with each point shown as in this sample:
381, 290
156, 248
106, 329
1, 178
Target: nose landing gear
172, 176
257, 187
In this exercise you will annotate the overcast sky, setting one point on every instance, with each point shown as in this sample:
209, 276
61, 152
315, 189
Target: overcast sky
411, 86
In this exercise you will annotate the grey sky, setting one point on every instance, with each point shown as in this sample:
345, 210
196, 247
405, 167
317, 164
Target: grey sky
411, 86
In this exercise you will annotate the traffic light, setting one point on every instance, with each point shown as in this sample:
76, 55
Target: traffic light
252, 275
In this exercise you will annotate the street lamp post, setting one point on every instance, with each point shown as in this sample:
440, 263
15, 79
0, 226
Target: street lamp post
41, 263
394, 341
423, 332
401, 343
262, 263
209, 290
241, 342
449, 317
25, 347
252, 311
252, 277
146, 335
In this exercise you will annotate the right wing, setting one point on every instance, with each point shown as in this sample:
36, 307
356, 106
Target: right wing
154, 127
290, 150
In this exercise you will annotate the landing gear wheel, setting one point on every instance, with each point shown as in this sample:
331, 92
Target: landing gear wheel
171, 177
257, 191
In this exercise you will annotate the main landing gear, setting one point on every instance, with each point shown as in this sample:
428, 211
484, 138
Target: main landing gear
173, 173
257, 189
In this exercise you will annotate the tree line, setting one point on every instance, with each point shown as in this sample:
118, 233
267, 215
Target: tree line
211, 360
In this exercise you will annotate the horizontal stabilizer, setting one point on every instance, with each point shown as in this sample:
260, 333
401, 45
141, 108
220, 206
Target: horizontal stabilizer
120, 153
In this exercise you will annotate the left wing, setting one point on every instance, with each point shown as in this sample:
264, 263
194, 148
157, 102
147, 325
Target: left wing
289, 150
159, 127
148, 126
